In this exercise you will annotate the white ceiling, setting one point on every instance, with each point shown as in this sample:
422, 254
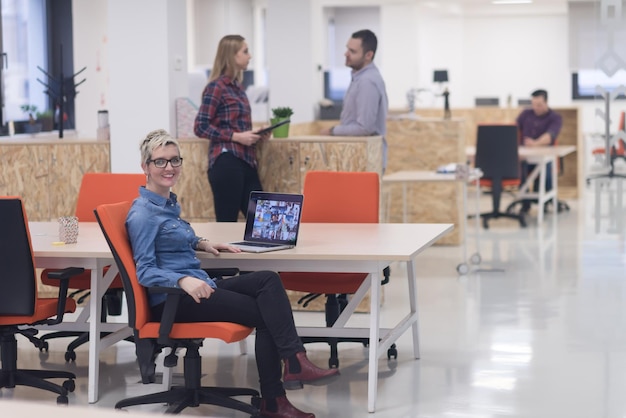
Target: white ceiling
471, 7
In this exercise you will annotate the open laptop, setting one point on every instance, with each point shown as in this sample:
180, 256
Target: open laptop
272, 222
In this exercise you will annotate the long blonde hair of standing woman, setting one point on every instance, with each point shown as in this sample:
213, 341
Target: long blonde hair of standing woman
224, 63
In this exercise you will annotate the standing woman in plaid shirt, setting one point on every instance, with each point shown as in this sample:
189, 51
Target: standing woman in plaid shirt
225, 119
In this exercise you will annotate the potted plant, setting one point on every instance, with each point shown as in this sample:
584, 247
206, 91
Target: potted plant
32, 126
279, 114
47, 120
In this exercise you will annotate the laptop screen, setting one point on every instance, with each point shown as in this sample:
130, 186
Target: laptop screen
273, 217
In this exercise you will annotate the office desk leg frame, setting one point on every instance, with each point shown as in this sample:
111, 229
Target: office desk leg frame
375, 349
463, 267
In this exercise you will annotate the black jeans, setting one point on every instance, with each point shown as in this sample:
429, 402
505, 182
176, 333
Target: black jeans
255, 300
232, 180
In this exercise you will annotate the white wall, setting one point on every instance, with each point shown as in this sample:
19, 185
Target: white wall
211, 20
292, 59
90, 51
147, 71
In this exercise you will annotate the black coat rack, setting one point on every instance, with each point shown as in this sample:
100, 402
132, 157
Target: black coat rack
60, 89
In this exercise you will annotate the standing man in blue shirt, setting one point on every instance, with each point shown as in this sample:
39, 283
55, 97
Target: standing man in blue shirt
365, 104
539, 127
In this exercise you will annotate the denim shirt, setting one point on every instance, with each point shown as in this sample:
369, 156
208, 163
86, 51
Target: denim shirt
163, 244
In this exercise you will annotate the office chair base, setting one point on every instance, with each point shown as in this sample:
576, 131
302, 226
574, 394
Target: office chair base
192, 394
561, 206
178, 398
11, 376
495, 215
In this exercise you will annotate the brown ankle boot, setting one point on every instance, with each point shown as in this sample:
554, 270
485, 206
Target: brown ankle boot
284, 409
308, 373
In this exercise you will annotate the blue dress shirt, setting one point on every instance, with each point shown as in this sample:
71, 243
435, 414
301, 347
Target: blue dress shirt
163, 244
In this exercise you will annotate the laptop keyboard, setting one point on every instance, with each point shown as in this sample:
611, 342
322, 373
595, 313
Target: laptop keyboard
256, 244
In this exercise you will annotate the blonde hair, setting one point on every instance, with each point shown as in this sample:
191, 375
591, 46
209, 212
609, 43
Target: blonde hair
224, 63
155, 139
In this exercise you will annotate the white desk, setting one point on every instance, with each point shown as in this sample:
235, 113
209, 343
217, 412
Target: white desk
417, 176
366, 248
541, 156
91, 252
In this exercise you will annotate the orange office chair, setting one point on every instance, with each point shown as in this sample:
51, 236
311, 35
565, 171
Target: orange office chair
20, 305
497, 157
95, 189
336, 197
151, 336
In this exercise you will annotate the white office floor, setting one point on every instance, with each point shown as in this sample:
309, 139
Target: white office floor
544, 338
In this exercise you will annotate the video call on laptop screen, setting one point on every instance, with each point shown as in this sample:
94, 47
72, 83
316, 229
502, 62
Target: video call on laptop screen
273, 217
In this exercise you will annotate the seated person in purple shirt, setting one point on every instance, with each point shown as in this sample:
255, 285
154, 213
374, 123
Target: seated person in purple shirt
539, 127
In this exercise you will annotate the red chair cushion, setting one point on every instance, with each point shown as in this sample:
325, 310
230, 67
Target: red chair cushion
44, 309
225, 331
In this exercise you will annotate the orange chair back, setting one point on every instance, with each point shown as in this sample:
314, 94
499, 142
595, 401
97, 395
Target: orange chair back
99, 188
335, 197
112, 219
341, 197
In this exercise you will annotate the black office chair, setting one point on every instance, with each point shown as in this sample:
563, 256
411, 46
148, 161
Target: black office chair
497, 157
20, 306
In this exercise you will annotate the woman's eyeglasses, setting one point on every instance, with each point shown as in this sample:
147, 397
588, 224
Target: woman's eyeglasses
162, 162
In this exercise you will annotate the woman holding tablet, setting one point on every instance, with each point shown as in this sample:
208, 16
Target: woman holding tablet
225, 119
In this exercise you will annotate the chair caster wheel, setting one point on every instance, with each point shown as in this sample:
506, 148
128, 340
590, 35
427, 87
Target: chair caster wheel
62, 400
43, 346
70, 356
462, 268
333, 363
476, 259
485, 224
69, 385
392, 352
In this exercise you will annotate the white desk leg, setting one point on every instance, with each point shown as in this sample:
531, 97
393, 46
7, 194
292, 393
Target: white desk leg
542, 191
372, 374
478, 216
619, 211
95, 307
598, 211
410, 273
555, 188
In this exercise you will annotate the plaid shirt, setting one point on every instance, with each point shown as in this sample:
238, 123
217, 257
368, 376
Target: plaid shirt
225, 109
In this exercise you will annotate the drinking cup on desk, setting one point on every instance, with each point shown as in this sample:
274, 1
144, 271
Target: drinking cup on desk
68, 229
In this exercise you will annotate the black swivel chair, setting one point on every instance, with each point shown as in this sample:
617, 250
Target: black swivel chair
497, 157
20, 306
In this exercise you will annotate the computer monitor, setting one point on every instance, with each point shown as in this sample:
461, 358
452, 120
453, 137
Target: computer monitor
440, 76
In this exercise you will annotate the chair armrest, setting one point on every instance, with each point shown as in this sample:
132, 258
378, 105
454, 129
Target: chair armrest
64, 276
169, 312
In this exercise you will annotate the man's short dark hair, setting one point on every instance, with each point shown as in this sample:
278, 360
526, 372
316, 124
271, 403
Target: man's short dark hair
540, 93
368, 40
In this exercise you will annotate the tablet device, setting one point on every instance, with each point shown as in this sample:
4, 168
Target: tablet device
271, 128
